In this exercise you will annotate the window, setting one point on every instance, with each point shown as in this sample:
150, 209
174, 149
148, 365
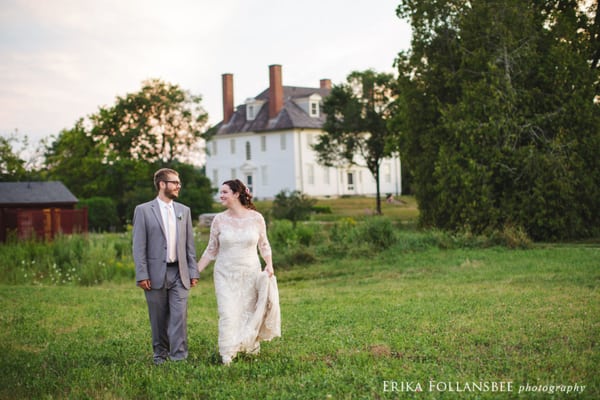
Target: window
310, 139
263, 143
249, 184
350, 177
253, 107
311, 105
387, 173
214, 148
326, 177
314, 109
283, 141
264, 175
215, 177
232, 173
232, 146
310, 174
248, 152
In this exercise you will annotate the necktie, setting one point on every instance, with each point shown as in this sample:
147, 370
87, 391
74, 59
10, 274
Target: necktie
171, 231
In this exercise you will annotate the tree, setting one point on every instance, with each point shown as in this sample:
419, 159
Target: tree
497, 117
77, 160
102, 213
161, 122
357, 123
115, 153
17, 160
12, 166
294, 206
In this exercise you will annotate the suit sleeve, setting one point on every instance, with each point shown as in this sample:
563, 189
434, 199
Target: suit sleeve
140, 243
191, 247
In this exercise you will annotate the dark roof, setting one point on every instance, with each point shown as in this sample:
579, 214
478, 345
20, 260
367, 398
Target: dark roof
32, 193
290, 116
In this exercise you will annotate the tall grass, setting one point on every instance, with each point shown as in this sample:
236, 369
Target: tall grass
348, 238
73, 259
95, 258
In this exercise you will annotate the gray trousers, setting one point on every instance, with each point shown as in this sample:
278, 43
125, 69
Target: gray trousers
167, 308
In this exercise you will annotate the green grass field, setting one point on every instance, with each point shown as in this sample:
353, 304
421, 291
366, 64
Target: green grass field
457, 323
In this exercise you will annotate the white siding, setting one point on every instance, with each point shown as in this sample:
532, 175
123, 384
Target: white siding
289, 163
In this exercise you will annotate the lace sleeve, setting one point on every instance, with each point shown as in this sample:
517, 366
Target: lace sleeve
263, 241
212, 249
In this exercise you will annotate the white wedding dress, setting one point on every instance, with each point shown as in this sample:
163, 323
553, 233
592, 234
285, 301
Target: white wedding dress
247, 299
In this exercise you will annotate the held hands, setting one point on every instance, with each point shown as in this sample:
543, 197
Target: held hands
202, 264
145, 284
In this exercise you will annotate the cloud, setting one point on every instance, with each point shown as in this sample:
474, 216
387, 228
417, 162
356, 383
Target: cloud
61, 60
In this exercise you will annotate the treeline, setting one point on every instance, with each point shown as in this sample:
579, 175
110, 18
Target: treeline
108, 160
498, 115
494, 112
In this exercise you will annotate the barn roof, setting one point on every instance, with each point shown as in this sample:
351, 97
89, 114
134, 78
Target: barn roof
34, 193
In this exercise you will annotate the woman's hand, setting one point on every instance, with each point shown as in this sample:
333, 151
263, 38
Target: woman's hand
269, 270
203, 263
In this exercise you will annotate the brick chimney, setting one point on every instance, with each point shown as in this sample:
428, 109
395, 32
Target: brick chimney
325, 83
275, 91
227, 97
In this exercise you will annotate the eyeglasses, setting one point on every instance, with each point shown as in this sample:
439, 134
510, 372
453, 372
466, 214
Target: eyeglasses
176, 183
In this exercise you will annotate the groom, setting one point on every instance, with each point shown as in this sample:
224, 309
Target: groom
165, 265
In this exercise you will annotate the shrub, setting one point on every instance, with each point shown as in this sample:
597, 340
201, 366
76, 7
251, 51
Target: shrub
342, 230
102, 213
349, 238
291, 256
321, 209
513, 237
282, 233
294, 206
378, 232
292, 246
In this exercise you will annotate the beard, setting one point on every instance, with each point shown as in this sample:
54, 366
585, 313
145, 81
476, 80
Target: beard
171, 194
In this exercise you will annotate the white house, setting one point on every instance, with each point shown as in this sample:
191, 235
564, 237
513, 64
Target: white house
266, 143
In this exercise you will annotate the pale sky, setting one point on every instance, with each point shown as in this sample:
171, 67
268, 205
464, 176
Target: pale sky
60, 60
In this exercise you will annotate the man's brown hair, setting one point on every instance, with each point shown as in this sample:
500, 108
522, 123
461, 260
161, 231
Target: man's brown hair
163, 175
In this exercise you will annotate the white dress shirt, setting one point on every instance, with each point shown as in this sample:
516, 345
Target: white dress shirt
165, 209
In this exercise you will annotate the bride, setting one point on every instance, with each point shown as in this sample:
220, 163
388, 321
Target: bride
247, 298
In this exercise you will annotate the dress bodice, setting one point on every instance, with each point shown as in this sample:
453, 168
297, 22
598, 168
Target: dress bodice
236, 239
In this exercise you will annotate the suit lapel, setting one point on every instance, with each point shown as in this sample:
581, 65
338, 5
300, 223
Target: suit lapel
180, 228
155, 205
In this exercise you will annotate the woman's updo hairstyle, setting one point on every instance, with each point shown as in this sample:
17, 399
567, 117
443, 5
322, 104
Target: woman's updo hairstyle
238, 186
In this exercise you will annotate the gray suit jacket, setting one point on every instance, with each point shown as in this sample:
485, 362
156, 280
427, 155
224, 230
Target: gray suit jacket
150, 244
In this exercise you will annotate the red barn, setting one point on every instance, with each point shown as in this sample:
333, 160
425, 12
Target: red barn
39, 210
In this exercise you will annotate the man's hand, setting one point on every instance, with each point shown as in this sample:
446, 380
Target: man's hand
145, 284
193, 282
